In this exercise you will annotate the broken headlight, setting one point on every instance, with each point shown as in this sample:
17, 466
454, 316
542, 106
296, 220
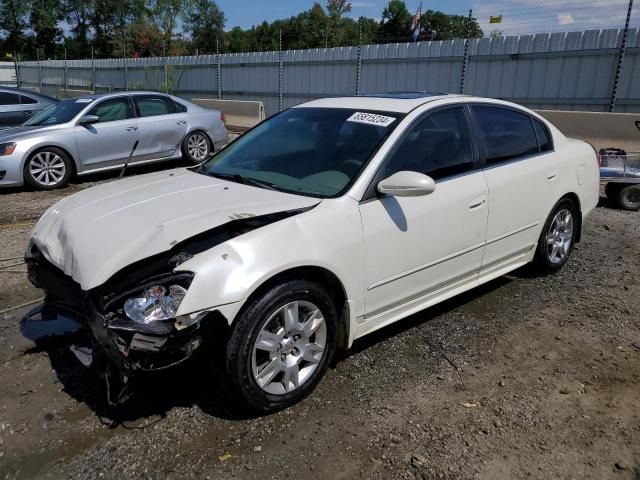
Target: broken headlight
156, 303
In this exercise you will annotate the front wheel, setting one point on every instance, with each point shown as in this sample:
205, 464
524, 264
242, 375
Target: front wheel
47, 169
196, 147
557, 238
281, 346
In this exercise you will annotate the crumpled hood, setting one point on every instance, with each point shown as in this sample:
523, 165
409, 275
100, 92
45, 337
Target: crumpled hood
95, 233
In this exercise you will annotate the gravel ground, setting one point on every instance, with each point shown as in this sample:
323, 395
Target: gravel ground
533, 378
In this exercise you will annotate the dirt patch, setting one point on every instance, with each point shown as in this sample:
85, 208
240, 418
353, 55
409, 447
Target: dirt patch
549, 375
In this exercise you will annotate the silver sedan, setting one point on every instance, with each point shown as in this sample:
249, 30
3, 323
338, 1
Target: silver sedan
102, 132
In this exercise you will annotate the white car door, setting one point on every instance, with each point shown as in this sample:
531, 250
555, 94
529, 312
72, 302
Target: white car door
162, 126
109, 141
522, 175
420, 246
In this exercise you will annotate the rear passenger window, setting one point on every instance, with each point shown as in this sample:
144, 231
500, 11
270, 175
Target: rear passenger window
180, 107
24, 100
153, 105
507, 134
438, 145
544, 139
7, 98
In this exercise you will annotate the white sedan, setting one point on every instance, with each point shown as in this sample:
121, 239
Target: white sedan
322, 224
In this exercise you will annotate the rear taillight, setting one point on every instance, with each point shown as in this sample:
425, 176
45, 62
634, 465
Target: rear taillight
223, 118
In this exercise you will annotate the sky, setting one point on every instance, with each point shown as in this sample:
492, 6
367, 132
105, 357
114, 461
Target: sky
518, 16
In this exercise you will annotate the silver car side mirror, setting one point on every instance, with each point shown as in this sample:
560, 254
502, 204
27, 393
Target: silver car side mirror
88, 120
407, 184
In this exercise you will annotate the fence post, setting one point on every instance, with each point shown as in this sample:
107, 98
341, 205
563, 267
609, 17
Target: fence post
359, 63
218, 70
39, 71
166, 68
93, 71
124, 61
465, 61
16, 66
66, 73
623, 47
280, 72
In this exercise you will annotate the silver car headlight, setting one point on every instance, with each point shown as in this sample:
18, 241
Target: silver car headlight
155, 304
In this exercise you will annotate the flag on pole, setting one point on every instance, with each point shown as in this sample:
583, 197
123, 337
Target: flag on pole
415, 24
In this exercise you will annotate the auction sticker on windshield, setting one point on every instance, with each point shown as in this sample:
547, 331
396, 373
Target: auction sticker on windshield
371, 119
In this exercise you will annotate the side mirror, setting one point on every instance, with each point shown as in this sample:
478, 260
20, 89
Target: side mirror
407, 184
89, 119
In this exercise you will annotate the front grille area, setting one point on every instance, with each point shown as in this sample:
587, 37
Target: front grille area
2, 174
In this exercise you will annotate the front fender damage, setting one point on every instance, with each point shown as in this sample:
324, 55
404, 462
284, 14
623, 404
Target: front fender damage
130, 347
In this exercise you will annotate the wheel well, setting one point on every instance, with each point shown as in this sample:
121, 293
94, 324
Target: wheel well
328, 280
74, 168
576, 201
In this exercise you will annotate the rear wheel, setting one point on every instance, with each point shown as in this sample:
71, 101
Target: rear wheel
47, 169
557, 238
611, 190
629, 197
196, 147
281, 345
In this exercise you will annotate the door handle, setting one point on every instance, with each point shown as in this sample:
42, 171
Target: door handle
551, 176
477, 203
131, 129
181, 122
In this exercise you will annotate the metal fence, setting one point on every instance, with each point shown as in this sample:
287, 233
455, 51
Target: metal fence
568, 71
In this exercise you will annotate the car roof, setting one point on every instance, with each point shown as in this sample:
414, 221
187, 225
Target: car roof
401, 102
96, 96
29, 93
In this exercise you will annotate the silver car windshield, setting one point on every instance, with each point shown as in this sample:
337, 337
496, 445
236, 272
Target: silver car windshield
310, 151
61, 112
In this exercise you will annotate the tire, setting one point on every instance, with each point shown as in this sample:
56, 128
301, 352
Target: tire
47, 169
265, 355
196, 147
611, 190
560, 229
629, 198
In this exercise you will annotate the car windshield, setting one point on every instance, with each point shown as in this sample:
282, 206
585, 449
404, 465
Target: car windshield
310, 151
58, 113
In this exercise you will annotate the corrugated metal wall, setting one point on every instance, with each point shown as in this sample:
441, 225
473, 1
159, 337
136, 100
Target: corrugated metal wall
568, 71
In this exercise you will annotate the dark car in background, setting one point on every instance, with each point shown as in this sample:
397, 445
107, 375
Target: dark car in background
18, 105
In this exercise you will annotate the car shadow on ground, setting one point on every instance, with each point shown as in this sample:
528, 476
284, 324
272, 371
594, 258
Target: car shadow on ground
195, 382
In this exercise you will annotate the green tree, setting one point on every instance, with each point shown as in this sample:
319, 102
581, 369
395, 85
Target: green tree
204, 20
441, 26
336, 10
77, 13
166, 14
45, 19
13, 23
396, 23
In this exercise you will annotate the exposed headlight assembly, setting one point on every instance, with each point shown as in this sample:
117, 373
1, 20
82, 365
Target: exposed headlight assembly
155, 304
7, 149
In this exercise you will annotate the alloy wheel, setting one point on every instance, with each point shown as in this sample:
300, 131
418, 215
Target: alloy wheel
289, 347
560, 236
198, 146
47, 168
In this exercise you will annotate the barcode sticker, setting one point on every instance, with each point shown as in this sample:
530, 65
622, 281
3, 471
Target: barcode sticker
371, 119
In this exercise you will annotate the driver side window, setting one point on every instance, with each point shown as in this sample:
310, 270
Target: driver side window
112, 109
438, 145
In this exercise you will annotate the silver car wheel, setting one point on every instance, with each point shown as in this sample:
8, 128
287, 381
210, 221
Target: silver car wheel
47, 168
198, 146
560, 236
289, 347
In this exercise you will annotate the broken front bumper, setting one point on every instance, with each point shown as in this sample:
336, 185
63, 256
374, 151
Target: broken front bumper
129, 345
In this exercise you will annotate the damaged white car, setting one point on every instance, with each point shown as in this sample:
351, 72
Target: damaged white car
324, 223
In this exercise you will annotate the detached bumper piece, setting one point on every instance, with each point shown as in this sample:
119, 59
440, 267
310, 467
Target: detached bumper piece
129, 346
